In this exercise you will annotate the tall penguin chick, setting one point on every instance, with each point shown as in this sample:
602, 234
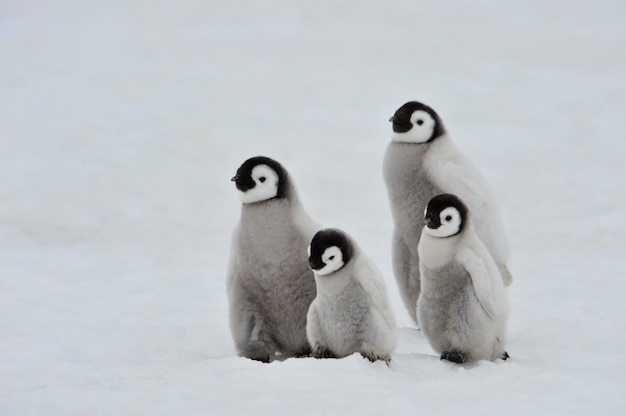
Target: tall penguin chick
351, 311
421, 162
463, 307
269, 283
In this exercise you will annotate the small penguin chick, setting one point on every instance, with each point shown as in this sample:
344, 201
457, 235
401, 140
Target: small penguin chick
351, 310
462, 309
270, 285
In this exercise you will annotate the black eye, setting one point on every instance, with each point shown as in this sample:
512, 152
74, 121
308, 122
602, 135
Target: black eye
448, 218
262, 179
419, 122
331, 258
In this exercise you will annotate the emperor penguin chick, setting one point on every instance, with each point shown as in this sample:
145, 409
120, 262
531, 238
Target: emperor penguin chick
421, 162
351, 311
463, 306
269, 283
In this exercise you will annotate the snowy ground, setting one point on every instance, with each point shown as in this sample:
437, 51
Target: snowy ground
121, 124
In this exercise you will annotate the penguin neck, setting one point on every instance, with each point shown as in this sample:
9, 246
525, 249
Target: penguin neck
402, 168
442, 141
270, 221
435, 252
259, 214
334, 284
403, 153
440, 150
409, 184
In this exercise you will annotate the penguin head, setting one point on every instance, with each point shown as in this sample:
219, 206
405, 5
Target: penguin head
259, 179
330, 250
415, 122
445, 216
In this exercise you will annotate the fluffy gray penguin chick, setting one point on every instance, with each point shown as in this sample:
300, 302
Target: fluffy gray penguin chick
463, 307
351, 311
269, 283
421, 162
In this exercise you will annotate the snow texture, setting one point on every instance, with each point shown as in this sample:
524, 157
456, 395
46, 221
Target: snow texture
122, 122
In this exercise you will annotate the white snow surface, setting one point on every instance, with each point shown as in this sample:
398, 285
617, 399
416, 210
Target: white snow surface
122, 122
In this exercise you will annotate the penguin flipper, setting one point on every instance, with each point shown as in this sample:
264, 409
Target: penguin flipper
482, 279
371, 280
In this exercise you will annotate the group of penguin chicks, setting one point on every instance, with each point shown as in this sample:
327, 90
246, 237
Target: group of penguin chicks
449, 259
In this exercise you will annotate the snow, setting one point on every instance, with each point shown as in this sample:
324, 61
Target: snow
121, 124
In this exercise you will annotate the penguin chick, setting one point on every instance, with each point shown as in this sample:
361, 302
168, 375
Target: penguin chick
351, 311
463, 307
421, 162
269, 283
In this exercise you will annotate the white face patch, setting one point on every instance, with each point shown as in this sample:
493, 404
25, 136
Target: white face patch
266, 180
450, 219
333, 260
422, 130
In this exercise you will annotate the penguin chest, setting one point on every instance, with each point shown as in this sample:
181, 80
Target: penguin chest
273, 251
275, 272
446, 300
343, 318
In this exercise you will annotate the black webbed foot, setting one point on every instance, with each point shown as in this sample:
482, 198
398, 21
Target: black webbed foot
257, 351
455, 357
262, 358
505, 355
304, 352
322, 352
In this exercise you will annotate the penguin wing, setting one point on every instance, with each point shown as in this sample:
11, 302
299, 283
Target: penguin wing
371, 280
305, 224
459, 176
233, 263
484, 275
454, 173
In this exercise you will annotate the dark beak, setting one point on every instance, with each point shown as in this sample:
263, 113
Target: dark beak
392, 119
234, 178
431, 223
316, 264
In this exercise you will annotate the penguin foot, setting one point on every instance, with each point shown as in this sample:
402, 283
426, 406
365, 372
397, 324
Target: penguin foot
262, 358
374, 357
304, 352
257, 351
505, 355
455, 357
322, 352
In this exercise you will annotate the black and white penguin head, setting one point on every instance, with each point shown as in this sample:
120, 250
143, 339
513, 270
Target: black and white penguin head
259, 179
330, 250
415, 122
445, 216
